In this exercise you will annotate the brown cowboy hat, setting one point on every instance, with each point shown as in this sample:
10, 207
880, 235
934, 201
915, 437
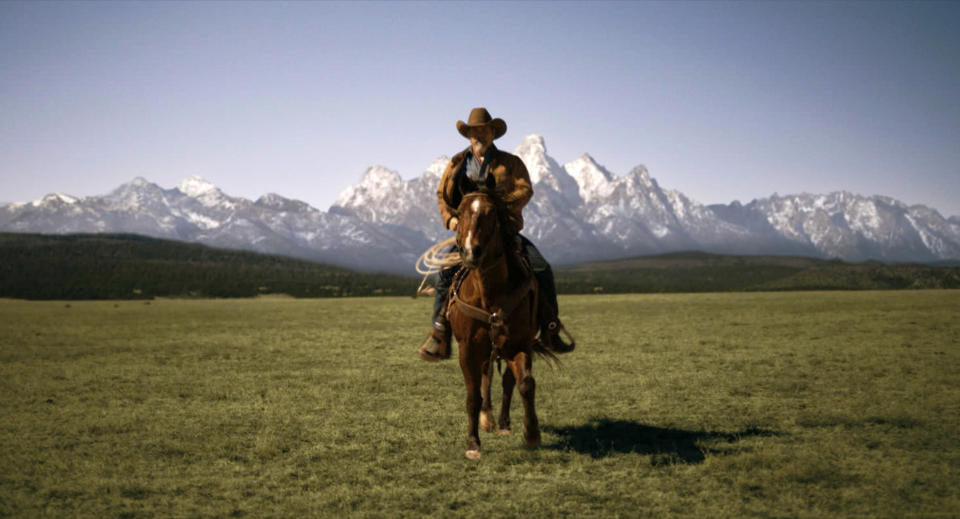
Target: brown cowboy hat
481, 117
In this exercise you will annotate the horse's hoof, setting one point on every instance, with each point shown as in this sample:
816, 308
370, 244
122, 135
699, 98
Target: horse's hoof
486, 421
532, 442
473, 454
504, 432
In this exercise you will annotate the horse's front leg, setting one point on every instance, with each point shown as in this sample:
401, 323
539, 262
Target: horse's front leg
486, 417
472, 380
522, 370
509, 382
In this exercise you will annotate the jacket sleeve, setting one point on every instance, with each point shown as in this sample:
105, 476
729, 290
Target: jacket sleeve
446, 210
522, 191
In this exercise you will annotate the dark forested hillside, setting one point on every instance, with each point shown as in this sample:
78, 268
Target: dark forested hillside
125, 266
701, 272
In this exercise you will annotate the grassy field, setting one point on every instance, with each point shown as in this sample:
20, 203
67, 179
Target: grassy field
801, 404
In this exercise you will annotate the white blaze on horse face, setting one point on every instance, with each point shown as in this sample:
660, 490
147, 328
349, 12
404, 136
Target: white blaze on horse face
468, 244
467, 251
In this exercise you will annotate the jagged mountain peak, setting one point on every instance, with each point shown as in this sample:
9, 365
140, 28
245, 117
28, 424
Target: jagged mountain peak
137, 184
56, 198
641, 175
271, 199
579, 211
533, 143
133, 195
640, 171
534, 140
834, 200
196, 186
545, 171
533, 152
379, 176
282, 203
592, 178
586, 160
378, 185
435, 169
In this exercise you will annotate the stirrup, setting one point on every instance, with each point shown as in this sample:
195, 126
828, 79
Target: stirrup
554, 329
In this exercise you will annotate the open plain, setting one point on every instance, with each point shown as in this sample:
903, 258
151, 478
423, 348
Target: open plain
794, 404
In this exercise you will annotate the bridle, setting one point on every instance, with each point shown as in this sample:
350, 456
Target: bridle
492, 261
494, 319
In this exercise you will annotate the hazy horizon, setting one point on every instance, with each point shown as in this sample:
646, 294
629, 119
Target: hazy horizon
721, 101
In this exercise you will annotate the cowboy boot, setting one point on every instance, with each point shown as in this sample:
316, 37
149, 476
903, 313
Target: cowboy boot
550, 337
550, 328
548, 313
437, 345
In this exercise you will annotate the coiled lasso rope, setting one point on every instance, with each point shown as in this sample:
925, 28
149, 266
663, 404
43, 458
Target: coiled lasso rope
435, 259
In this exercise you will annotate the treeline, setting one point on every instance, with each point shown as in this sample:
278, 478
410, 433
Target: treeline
125, 266
702, 272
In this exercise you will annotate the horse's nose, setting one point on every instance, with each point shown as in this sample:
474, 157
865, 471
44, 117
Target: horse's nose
475, 253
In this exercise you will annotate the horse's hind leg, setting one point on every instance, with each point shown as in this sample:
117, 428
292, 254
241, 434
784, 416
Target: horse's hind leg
508, 384
521, 367
486, 417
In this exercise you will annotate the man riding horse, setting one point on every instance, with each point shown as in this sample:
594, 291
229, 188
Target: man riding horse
467, 172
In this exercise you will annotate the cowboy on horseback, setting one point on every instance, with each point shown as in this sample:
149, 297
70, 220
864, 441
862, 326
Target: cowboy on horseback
478, 165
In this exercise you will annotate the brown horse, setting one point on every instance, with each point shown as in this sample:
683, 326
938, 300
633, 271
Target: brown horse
493, 314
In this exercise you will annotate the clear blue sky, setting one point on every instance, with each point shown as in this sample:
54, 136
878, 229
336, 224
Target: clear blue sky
722, 101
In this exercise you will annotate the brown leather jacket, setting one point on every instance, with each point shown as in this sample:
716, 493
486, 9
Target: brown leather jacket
511, 178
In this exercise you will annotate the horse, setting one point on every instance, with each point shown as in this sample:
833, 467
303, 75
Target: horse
492, 311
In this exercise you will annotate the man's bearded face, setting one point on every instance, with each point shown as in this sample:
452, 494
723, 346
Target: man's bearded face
480, 140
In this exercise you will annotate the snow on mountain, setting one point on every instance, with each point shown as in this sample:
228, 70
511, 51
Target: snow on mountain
383, 197
593, 180
205, 193
853, 227
579, 212
284, 205
550, 218
378, 197
544, 171
639, 217
56, 198
195, 186
197, 211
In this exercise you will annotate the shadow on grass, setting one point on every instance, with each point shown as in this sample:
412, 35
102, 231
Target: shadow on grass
601, 437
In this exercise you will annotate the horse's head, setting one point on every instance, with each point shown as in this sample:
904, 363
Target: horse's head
478, 233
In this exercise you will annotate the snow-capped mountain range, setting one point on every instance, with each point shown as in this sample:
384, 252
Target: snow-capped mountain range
580, 211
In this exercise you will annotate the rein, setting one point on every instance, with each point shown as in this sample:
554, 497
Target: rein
494, 319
